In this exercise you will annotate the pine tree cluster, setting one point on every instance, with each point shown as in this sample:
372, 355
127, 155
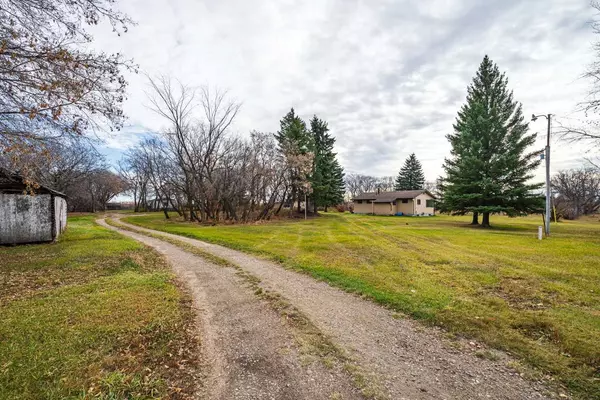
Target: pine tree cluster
326, 175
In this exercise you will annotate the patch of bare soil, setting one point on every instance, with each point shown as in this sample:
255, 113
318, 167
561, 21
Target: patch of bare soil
409, 360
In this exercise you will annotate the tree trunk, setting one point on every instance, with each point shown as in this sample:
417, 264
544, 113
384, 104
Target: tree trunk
179, 212
282, 201
299, 201
485, 222
280, 206
193, 216
190, 209
292, 201
475, 220
166, 213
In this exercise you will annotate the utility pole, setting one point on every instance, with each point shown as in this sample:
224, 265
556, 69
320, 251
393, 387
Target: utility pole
548, 198
547, 158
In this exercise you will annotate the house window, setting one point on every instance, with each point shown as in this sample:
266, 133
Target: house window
393, 202
405, 201
430, 203
369, 201
418, 202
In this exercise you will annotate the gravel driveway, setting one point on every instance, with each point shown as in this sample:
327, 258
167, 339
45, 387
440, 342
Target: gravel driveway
408, 360
247, 351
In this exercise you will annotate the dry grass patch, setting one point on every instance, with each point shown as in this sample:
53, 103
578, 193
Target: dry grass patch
95, 315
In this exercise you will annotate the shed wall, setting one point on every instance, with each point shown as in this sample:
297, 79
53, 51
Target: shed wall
60, 215
25, 219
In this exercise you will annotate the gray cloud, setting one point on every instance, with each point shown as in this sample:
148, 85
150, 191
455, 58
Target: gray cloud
388, 75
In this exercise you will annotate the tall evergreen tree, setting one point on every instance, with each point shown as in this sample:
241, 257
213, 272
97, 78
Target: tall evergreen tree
411, 175
337, 185
489, 166
295, 142
293, 134
328, 176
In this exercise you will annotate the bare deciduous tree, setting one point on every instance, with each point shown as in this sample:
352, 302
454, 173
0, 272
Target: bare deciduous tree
578, 192
61, 167
51, 86
133, 170
66, 164
103, 186
198, 167
385, 184
357, 184
585, 130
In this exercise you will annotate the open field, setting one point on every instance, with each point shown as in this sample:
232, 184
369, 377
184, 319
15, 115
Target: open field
96, 315
538, 300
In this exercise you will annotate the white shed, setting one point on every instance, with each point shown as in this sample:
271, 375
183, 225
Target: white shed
26, 217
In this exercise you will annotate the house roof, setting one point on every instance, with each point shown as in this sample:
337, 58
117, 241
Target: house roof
12, 182
388, 197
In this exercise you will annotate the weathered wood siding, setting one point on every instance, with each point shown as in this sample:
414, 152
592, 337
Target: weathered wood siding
26, 219
60, 215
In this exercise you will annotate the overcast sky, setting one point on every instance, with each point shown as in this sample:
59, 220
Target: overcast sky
388, 76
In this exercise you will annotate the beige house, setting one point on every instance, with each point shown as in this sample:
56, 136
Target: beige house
405, 202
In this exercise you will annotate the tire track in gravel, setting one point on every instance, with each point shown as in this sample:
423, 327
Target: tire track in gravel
249, 352
411, 361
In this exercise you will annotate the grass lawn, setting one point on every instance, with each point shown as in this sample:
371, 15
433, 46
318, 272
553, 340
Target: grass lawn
95, 315
539, 300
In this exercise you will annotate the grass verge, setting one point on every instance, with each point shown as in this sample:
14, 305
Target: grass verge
538, 300
93, 316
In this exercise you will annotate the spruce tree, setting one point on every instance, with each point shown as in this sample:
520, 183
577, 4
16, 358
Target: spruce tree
328, 176
293, 135
294, 140
489, 165
337, 186
411, 175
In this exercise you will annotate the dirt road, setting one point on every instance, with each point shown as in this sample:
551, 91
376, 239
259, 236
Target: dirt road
255, 356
